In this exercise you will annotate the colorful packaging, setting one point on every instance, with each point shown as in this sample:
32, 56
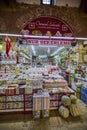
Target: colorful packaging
28, 90
37, 102
22, 89
37, 105
17, 90
12, 91
45, 104
2, 90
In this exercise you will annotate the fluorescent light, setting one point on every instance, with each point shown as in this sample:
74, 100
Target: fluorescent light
42, 56
59, 49
56, 56
47, 46
20, 35
14, 35
34, 36
48, 50
33, 49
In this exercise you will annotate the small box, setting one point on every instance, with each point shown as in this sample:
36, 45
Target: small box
28, 90
17, 90
7, 91
12, 91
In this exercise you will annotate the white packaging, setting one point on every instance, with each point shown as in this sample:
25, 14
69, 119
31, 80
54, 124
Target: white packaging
45, 104
37, 102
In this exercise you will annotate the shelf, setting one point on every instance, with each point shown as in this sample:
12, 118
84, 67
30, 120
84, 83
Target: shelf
12, 95
55, 100
28, 101
13, 101
68, 93
28, 109
53, 108
61, 93
3, 102
11, 110
25, 103
51, 93
28, 94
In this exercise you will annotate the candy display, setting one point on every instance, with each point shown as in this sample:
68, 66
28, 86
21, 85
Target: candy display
32, 89
55, 82
2, 99
15, 98
2, 106
29, 97
29, 105
54, 103
39, 83
41, 102
14, 105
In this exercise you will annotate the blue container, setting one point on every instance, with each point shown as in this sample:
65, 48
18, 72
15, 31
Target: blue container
84, 89
84, 98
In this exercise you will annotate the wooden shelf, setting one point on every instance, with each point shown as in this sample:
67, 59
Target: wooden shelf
28, 109
11, 110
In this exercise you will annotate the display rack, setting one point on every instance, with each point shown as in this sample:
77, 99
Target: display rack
28, 102
24, 102
17, 102
55, 99
19, 88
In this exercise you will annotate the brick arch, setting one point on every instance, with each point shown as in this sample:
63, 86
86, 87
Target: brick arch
70, 15
22, 20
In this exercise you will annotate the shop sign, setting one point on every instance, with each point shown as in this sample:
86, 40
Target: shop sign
49, 42
48, 26
45, 42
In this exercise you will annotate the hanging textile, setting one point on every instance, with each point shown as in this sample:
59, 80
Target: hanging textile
7, 39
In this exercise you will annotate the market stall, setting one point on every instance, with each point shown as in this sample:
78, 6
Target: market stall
28, 86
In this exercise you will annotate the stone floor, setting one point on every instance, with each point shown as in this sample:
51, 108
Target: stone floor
54, 122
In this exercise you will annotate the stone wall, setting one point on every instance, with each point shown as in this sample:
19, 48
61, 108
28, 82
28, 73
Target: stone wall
71, 3
29, 1
13, 20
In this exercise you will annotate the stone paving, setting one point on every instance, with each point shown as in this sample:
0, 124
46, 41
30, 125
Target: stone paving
54, 122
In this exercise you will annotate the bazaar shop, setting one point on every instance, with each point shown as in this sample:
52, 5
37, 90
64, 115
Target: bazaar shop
43, 68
